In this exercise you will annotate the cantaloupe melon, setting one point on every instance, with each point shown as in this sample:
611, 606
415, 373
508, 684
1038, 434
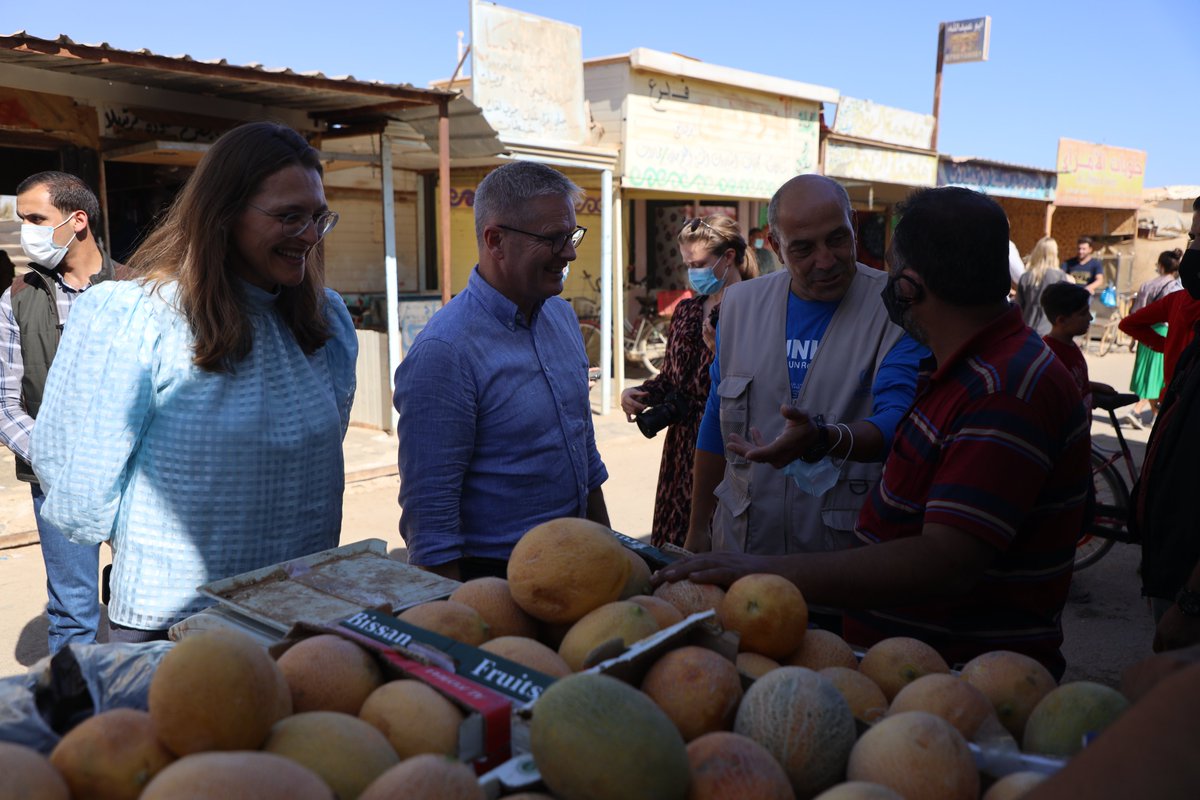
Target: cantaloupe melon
727, 766
1013, 682
699, 689
638, 582
329, 673
393, 708
691, 598
452, 620
426, 777
755, 665
949, 697
767, 612
859, 790
237, 775
612, 623
493, 601
528, 653
111, 756
24, 772
564, 568
804, 722
347, 753
1013, 786
820, 649
216, 689
896, 662
663, 612
1059, 723
919, 755
866, 700
598, 738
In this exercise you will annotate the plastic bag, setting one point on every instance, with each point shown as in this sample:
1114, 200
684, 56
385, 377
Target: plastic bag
1108, 296
38, 708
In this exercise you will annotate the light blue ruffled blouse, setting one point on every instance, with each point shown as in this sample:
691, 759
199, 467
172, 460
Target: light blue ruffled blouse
191, 475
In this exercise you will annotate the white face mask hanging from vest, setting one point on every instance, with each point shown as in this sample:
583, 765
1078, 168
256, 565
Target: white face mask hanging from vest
38, 243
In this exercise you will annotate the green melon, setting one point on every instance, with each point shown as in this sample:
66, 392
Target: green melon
596, 738
1059, 722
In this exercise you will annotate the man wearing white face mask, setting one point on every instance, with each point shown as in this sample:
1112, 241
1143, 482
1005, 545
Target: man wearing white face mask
56, 210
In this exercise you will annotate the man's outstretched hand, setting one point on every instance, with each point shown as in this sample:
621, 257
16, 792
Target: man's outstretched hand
798, 436
721, 569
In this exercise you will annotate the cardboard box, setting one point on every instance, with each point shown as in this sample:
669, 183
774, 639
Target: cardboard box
485, 735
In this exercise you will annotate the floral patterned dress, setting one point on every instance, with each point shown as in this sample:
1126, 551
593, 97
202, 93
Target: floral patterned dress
685, 369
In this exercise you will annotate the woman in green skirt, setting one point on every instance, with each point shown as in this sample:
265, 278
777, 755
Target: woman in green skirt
1147, 379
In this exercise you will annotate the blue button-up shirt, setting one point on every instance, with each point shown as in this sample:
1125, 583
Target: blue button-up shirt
495, 426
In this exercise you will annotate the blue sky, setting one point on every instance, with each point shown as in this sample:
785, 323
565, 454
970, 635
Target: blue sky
1118, 73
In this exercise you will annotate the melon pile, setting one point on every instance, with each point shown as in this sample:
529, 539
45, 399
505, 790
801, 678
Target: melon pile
227, 721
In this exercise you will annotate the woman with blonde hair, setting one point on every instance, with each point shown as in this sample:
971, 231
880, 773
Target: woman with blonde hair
717, 256
1042, 271
194, 416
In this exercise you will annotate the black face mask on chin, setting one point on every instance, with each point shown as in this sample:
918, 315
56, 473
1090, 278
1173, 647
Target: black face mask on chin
1189, 272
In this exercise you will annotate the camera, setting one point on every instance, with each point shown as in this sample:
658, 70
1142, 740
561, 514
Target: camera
654, 419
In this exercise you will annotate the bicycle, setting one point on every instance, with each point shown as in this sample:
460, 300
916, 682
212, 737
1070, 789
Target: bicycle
645, 337
1112, 498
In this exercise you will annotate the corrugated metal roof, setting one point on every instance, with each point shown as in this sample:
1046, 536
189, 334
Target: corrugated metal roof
282, 87
991, 162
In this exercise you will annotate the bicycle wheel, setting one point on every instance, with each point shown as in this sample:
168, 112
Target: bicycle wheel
590, 332
1109, 514
654, 349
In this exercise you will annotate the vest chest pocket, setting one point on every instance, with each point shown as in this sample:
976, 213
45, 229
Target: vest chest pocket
734, 393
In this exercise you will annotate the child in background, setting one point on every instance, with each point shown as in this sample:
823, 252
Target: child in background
1068, 308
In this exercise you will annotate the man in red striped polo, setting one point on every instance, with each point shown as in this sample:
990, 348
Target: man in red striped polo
968, 542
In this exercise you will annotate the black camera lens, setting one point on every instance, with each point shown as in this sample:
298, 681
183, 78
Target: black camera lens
653, 420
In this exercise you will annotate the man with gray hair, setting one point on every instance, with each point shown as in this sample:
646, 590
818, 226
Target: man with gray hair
495, 425
809, 380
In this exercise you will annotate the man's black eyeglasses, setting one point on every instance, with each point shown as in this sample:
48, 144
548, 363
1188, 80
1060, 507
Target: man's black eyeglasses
557, 243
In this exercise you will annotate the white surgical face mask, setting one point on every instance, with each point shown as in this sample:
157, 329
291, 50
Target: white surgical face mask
38, 243
815, 479
758, 244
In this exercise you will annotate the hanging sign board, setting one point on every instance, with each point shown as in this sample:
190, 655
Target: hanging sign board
966, 40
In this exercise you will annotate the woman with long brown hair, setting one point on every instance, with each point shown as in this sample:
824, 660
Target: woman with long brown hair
717, 257
194, 416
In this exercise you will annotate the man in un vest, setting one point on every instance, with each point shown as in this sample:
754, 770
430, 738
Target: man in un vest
57, 211
814, 340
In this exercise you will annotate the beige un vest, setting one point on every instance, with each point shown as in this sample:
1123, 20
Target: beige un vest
759, 509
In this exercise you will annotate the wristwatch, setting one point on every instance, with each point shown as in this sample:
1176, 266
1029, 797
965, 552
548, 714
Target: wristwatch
1188, 602
822, 446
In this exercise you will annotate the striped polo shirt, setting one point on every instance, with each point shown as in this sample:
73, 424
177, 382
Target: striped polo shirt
996, 445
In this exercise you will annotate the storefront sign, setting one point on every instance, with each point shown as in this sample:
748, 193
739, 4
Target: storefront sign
997, 181
708, 150
1099, 176
880, 165
127, 122
527, 75
863, 119
966, 40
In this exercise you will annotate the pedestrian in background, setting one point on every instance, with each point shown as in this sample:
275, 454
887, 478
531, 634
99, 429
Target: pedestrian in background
1147, 379
58, 212
717, 257
1043, 271
762, 254
194, 416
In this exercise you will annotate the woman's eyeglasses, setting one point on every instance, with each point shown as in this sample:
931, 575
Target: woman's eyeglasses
557, 243
294, 223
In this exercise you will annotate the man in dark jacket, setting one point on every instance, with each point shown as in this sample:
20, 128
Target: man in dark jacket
57, 211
